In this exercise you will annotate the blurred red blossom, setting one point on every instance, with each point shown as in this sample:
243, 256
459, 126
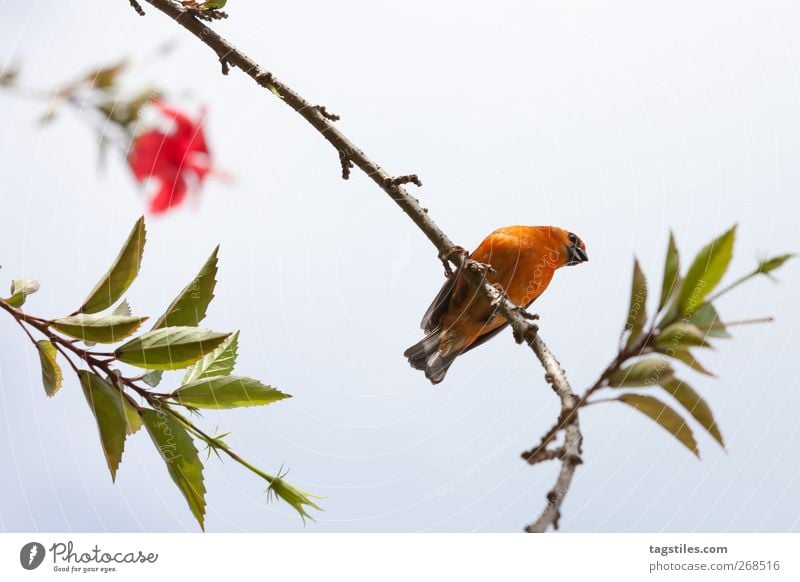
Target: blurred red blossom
178, 159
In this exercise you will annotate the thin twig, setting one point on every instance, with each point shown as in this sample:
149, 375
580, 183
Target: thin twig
138, 7
407, 179
327, 114
350, 156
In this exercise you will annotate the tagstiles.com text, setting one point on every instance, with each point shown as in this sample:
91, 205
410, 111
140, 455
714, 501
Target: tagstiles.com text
697, 560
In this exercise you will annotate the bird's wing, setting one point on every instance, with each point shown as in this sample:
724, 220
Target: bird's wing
482, 339
440, 303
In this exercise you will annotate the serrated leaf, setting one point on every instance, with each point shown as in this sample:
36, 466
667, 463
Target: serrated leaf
20, 289
51, 372
121, 274
133, 420
293, 496
681, 335
645, 372
190, 306
218, 363
222, 392
707, 320
179, 453
153, 378
695, 405
663, 415
170, 348
706, 271
107, 405
123, 308
100, 329
671, 272
688, 358
637, 311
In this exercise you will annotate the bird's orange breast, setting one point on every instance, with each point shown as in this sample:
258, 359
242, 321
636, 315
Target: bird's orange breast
524, 259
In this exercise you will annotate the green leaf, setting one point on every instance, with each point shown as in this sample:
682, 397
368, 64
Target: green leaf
123, 308
190, 306
681, 335
20, 289
293, 496
170, 348
100, 329
766, 266
16, 301
105, 77
153, 378
106, 404
707, 320
695, 405
218, 363
226, 392
645, 372
637, 312
688, 358
51, 372
671, 272
769, 265
121, 274
179, 453
133, 420
24, 286
663, 415
706, 272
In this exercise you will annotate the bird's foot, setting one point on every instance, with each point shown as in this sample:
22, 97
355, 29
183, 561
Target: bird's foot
481, 268
499, 297
526, 314
448, 256
526, 335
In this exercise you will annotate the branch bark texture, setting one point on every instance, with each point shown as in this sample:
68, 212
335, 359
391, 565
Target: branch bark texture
350, 155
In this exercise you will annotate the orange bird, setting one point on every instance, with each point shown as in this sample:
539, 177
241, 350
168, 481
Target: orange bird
523, 259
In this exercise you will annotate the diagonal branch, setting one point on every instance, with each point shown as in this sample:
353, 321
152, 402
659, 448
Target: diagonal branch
520, 321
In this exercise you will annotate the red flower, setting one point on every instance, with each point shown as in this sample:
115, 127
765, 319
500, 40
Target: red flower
173, 159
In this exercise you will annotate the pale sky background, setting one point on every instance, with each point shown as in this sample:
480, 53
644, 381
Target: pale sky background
615, 120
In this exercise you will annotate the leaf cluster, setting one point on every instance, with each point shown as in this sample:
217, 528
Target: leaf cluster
122, 403
685, 320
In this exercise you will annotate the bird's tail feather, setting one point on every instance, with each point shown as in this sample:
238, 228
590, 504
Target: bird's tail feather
425, 355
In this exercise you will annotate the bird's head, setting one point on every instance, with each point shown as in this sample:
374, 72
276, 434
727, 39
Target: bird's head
575, 248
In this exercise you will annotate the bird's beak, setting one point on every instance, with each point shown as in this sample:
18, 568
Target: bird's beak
577, 255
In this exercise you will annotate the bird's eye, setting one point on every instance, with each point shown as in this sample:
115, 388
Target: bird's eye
573, 239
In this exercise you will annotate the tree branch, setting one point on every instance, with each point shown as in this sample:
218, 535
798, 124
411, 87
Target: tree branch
473, 272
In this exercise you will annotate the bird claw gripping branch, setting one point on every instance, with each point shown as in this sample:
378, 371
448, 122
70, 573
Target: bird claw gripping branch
449, 256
